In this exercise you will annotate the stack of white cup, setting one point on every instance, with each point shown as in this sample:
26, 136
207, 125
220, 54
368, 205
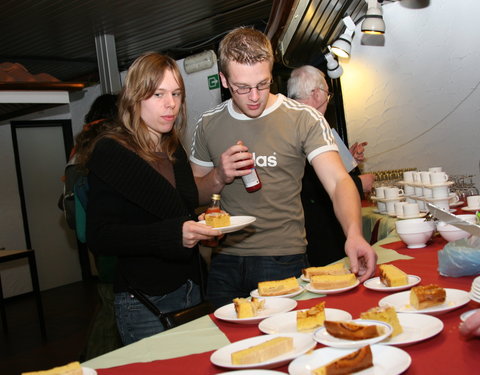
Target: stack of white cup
387, 197
428, 186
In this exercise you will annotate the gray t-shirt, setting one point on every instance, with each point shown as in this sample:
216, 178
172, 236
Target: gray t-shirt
282, 138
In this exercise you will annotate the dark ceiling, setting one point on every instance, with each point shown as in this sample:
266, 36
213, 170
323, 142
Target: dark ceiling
58, 36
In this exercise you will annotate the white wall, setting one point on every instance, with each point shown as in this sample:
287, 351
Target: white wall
416, 98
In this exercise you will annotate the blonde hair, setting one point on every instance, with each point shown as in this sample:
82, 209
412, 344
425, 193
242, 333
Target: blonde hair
244, 45
141, 82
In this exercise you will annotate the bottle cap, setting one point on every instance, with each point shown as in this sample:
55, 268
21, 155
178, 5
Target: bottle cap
216, 197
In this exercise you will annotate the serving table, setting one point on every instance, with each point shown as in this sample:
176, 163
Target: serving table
187, 349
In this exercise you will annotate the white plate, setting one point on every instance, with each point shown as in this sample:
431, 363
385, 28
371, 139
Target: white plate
302, 343
416, 327
252, 372
236, 223
387, 360
466, 208
376, 284
330, 291
287, 322
421, 214
474, 297
466, 314
272, 306
254, 293
455, 298
456, 204
322, 336
88, 371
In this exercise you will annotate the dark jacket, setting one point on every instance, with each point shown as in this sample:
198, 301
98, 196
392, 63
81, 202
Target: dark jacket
135, 214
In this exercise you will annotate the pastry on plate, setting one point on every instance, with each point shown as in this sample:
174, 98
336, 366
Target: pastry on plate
392, 276
352, 331
248, 308
348, 364
431, 295
333, 269
385, 314
278, 287
263, 352
312, 318
326, 282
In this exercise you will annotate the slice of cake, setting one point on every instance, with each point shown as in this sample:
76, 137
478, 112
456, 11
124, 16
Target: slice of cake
312, 318
348, 364
333, 269
263, 352
352, 331
72, 368
278, 287
392, 276
332, 281
248, 308
217, 219
422, 297
385, 314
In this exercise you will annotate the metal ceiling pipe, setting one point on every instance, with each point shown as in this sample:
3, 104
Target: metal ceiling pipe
110, 82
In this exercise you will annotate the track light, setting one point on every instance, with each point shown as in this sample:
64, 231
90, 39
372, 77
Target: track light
373, 22
343, 45
334, 70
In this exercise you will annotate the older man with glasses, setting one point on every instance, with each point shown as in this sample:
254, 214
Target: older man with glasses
307, 85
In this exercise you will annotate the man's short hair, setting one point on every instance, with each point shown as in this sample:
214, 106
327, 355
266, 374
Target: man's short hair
304, 80
244, 45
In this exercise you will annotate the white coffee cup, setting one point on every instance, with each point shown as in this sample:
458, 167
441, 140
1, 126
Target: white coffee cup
391, 207
408, 176
411, 210
416, 177
427, 192
473, 201
419, 191
421, 205
380, 192
399, 208
435, 169
425, 177
438, 178
440, 191
411, 200
442, 204
382, 207
453, 198
409, 190
393, 192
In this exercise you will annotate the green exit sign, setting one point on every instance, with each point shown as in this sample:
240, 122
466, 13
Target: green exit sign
213, 82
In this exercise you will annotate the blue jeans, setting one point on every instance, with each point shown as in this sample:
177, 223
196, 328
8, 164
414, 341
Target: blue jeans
136, 322
234, 276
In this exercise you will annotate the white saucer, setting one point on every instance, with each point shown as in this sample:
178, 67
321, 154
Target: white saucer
466, 314
254, 293
466, 208
456, 204
330, 291
377, 285
421, 214
237, 223
416, 327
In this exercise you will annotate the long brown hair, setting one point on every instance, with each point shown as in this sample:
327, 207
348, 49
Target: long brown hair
141, 82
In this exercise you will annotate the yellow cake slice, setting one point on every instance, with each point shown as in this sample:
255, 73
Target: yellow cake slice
263, 352
422, 297
72, 368
332, 281
348, 364
248, 308
333, 269
312, 318
217, 219
352, 330
392, 276
385, 314
278, 287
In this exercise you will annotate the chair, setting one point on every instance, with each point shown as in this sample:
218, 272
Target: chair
8, 256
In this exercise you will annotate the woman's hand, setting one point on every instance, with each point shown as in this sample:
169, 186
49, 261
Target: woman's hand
192, 232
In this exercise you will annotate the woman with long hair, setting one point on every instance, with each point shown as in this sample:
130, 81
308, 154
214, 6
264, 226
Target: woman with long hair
142, 199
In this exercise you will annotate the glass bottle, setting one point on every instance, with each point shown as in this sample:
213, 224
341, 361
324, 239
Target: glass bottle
252, 180
214, 206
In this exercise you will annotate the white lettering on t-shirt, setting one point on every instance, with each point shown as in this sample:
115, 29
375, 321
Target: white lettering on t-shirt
265, 160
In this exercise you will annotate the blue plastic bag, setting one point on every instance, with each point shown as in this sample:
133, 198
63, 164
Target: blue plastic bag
460, 258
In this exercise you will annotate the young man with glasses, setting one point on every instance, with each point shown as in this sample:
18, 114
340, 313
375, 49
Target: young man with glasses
279, 134
307, 85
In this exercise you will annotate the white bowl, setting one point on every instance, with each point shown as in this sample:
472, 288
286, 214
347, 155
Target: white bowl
414, 226
416, 240
451, 232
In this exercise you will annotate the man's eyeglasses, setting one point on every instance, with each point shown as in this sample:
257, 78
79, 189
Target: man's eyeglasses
243, 90
329, 94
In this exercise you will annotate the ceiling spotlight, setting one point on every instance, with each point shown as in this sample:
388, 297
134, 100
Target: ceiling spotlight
373, 22
334, 70
343, 45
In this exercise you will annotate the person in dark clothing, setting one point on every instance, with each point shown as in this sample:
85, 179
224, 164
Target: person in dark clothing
142, 199
325, 236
